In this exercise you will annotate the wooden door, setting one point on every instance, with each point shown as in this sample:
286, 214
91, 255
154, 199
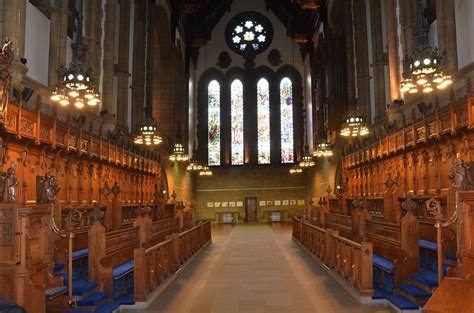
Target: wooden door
250, 210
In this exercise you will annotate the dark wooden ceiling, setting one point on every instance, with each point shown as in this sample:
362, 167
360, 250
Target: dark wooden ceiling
197, 18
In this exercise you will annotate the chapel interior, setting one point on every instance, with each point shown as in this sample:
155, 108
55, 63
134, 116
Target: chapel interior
237, 156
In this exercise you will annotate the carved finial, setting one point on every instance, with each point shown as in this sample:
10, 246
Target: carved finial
409, 205
329, 190
143, 210
433, 208
96, 214
174, 195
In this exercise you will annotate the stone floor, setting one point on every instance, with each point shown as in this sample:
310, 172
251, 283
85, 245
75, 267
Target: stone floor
255, 268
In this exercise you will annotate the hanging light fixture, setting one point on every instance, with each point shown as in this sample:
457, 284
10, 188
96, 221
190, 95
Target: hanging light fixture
194, 164
307, 159
354, 126
179, 153
423, 69
147, 132
75, 84
296, 169
323, 149
205, 171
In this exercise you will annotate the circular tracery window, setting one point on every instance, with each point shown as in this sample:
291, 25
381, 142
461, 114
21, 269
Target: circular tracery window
249, 32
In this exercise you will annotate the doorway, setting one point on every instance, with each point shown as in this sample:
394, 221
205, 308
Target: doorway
250, 209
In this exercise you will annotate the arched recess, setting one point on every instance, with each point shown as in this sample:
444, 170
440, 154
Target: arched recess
203, 112
169, 86
297, 93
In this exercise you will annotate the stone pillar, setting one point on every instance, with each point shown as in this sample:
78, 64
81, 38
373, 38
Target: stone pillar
108, 58
58, 40
14, 15
379, 59
445, 17
124, 36
407, 22
349, 40
138, 77
392, 42
362, 59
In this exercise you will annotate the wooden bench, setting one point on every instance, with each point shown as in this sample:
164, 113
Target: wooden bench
114, 261
396, 247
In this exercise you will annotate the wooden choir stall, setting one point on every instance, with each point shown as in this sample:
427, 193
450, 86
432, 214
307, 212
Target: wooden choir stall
403, 213
83, 223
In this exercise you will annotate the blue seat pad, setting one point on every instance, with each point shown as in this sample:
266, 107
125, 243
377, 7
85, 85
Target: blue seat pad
78, 254
51, 292
123, 269
383, 263
429, 245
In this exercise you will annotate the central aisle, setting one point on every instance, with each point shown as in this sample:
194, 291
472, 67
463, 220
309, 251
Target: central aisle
255, 268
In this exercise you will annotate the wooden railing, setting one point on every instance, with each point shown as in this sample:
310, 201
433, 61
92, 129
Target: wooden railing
352, 260
156, 263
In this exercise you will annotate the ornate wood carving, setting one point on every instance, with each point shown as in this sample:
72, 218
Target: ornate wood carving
9, 186
47, 188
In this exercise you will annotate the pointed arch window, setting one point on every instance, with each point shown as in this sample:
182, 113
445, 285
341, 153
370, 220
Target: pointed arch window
263, 121
214, 123
286, 121
237, 122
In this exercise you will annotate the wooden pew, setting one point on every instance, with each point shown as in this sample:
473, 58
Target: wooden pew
155, 263
352, 260
111, 254
78, 221
396, 246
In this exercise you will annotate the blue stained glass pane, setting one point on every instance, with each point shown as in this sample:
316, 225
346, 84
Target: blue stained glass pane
263, 121
214, 123
237, 122
286, 121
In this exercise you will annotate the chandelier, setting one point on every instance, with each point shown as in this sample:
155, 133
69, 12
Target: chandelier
194, 165
147, 134
296, 170
423, 70
323, 149
354, 126
205, 171
75, 84
179, 153
307, 159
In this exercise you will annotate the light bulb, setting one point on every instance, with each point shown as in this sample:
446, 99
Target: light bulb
55, 96
64, 102
73, 93
421, 80
427, 88
79, 103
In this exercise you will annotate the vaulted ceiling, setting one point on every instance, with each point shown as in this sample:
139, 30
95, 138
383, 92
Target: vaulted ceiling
197, 18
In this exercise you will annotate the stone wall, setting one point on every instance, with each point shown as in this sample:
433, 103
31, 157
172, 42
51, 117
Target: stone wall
232, 185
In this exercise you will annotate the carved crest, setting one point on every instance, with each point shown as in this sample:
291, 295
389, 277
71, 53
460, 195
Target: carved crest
96, 214
47, 188
409, 205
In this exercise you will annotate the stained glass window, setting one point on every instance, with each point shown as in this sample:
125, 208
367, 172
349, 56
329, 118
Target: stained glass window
249, 32
214, 123
263, 121
237, 122
286, 122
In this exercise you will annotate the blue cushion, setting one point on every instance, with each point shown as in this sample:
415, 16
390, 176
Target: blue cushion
51, 292
383, 263
429, 245
123, 269
80, 254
